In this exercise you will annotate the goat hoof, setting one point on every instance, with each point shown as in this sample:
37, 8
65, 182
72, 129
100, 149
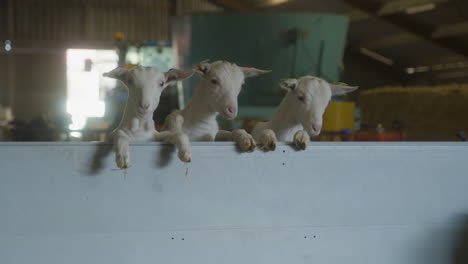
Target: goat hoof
301, 141
185, 156
269, 146
247, 144
253, 146
301, 145
122, 161
123, 165
272, 146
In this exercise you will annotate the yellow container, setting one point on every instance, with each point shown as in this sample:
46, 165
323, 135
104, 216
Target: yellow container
325, 137
338, 116
130, 66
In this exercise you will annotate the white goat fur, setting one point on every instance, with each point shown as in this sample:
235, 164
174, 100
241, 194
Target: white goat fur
145, 85
299, 115
217, 93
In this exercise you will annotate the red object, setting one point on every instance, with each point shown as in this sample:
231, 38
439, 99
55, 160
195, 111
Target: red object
384, 136
346, 137
389, 136
159, 127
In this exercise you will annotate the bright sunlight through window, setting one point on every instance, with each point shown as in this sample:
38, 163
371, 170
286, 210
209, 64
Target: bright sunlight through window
85, 85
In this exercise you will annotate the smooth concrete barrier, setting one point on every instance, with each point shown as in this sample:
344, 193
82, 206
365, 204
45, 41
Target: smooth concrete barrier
385, 203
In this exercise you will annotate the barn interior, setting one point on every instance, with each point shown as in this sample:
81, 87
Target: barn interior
408, 57
84, 194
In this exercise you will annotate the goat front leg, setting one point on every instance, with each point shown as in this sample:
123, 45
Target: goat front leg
182, 143
301, 139
162, 136
267, 140
243, 139
122, 155
175, 135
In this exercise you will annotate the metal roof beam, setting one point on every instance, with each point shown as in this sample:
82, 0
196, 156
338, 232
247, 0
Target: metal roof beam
407, 6
233, 5
411, 25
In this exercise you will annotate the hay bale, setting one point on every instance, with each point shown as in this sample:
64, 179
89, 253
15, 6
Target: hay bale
429, 113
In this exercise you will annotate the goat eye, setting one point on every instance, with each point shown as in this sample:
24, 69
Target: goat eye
301, 98
214, 81
161, 83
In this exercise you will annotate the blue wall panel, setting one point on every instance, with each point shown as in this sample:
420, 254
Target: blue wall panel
258, 40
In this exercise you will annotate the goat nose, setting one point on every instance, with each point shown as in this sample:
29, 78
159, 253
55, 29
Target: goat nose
317, 128
232, 110
145, 106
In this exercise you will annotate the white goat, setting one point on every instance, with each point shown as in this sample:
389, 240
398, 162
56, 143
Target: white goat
217, 93
145, 85
299, 115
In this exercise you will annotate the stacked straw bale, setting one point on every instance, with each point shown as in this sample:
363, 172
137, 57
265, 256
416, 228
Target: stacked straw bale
428, 113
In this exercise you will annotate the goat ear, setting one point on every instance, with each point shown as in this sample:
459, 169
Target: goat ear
288, 84
251, 72
174, 75
202, 67
118, 73
342, 89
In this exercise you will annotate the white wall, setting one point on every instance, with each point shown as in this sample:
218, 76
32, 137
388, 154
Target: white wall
335, 203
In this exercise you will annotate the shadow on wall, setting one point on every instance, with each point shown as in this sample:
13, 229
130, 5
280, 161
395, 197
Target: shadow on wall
460, 253
104, 149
